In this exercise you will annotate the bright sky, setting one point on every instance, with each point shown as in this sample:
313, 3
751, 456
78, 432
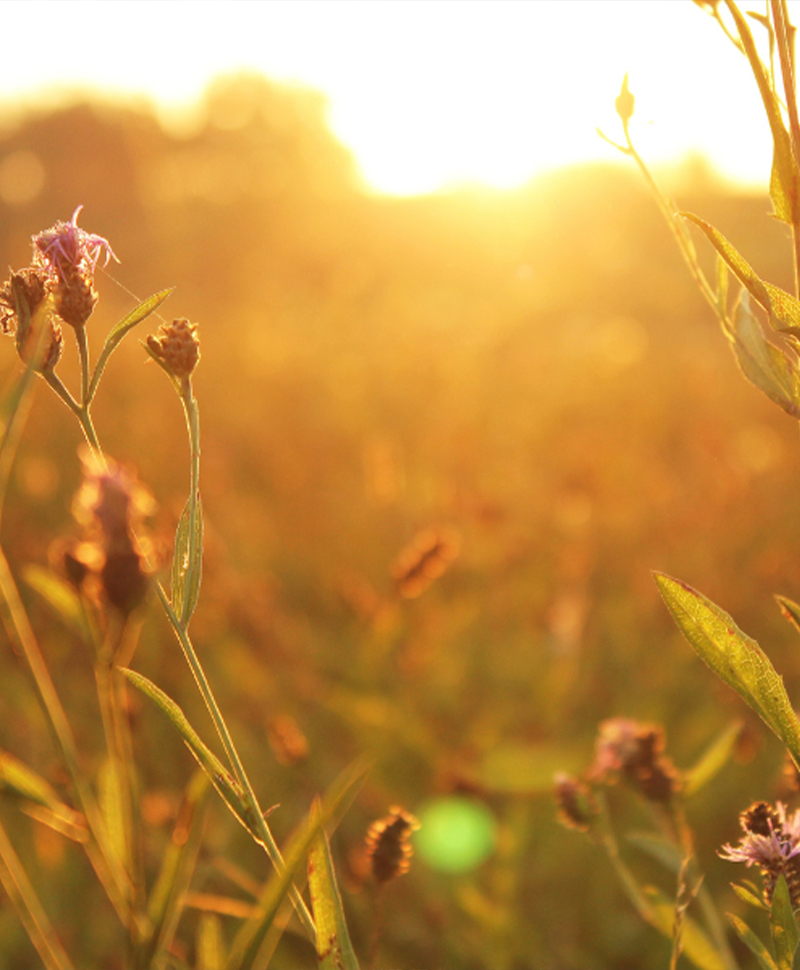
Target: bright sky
426, 93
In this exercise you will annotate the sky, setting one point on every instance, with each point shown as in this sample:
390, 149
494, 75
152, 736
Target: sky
428, 94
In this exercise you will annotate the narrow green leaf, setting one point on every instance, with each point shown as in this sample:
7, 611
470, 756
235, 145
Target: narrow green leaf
722, 287
784, 183
111, 805
208, 761
763, 364
62, 598
752, 942
186, 574
334, 949
748, 895
251, 935
167, 898
210, 944
783, 924
790, 610
24, 781
734, 657
713, 759
696, 946
782, 307
126, 324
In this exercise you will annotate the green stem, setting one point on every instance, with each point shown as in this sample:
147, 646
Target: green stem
265, 835
22, 637
193, 422
780, 18
83, 353
31, 913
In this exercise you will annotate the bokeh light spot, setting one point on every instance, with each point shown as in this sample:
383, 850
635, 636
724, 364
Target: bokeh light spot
456, 834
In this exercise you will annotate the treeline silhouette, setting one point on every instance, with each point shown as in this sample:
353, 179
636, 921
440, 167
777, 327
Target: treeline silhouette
530, 370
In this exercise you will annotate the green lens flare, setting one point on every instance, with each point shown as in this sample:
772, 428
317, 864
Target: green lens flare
456, 834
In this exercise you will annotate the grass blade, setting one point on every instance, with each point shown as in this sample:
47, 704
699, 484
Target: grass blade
187, 560
713, 759
334, 949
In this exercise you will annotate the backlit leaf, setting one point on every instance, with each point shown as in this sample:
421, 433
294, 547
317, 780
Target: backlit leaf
783, 924
187, 560
715, 757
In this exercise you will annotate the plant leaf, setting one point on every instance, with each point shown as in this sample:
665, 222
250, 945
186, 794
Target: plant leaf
747, 895
783, 924
734, 657
208, 761
782, 307
752, 942
762, 363
186, 574
785, 181
334, 949
712, 760
790, 610
127, 323
251, 935
63, 598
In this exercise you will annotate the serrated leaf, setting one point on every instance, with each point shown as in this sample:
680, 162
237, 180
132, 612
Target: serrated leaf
187, 560
126, 324
714, 758
657, 848
208, 761
696, 946
63, 598
251, 935
785, 182
765, 365
748, 895
752, 942
334, 949
734, 657
783, 925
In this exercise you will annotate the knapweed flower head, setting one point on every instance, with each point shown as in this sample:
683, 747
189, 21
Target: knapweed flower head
112, 504
771, 841
177, 347
389, 844
635, 752
27, 313
576, 806
69, 256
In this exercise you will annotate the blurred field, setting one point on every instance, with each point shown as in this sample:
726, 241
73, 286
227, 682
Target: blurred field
532, 371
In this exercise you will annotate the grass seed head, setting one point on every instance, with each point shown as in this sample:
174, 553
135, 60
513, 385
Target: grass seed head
389, 844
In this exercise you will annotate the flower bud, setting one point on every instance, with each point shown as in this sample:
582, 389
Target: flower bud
177, 346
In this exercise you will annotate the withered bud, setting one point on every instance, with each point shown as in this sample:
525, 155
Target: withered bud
424, 559
635, 751
389, 844
177, 346
76, 298
25, 313
576, 807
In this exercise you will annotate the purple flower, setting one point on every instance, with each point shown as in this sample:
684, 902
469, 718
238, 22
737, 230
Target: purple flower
771, 841
67, 251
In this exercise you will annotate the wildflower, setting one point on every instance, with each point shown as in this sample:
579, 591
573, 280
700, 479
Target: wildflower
177, 347
69, 255
66, 250
771, 841
111, 504
427, 556
24, 311
389, 846
635, 751
576, 807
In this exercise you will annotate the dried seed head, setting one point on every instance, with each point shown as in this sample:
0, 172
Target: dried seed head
26, 312
389, 844
177, 346
111, 503
423, 560
576, 807
76, 299
635, 751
